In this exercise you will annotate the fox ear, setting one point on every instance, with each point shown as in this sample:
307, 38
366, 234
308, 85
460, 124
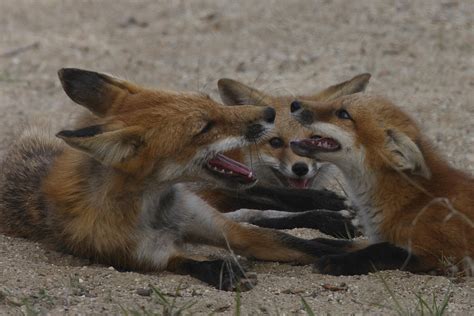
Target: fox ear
406, 155
354, 85
108, 147
235, 93
95, 91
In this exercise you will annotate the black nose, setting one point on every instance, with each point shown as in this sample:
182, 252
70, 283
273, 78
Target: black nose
295, 106
300, 169
269, 114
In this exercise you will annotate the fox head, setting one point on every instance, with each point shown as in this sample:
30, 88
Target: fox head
361, 133
169, 136
274, 161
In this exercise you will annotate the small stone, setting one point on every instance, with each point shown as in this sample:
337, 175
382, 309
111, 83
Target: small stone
144, 292
334, 288
241, 67
221, 309
292, 291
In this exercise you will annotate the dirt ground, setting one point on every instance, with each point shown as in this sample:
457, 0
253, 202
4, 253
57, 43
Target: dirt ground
420, 54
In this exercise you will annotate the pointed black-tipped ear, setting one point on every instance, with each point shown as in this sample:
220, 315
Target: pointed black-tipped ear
108, 147
354, 85
236, 93
95, 91
405, 155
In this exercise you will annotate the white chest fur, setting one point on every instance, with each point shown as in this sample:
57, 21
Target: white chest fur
360, 188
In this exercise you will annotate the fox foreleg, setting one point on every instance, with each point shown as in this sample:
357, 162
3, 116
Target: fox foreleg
333, 223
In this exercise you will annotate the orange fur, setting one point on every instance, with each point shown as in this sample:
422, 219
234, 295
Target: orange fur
273, 165
114, 193
414, 198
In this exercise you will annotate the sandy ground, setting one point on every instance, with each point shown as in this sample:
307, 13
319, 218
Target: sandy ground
419, 53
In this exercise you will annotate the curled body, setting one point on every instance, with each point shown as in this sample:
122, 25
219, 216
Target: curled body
416, 210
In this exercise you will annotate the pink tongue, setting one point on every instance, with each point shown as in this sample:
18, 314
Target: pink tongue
299, 183
223, 162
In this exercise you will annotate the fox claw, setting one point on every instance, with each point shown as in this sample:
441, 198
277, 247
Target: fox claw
226, 275
234, 278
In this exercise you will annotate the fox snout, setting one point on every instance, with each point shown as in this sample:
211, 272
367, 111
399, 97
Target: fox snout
302, 115
256, 130
301, 148
269, 115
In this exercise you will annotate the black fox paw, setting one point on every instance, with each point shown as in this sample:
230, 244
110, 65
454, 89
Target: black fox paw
228, 275
337, 265
339, 224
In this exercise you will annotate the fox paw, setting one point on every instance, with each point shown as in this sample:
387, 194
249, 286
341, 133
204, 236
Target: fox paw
330, 265
343, 264
338, 224
227, 275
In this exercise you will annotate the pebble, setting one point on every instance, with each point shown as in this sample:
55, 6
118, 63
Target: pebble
144, 291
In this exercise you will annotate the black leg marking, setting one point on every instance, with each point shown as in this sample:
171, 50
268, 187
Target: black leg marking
381, 256
299, 199
285, 199
329, 222
336, 243
225, 275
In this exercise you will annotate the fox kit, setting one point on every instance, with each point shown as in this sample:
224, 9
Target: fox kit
282, 174
112, 189
417, 211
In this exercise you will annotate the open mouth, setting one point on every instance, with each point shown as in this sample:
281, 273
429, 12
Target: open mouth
293, 182
318, 143
228, 168
300, 183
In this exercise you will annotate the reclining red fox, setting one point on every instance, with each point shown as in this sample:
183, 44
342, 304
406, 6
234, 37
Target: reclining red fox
417, 211
113, 194
282, 174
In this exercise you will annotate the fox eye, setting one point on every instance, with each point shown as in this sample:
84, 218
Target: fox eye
206, 128
276, 142
343, 114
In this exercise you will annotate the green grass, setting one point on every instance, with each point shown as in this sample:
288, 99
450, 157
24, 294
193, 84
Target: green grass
169, 306
434, 308
238, 303
306, 307
422, 305
27, 304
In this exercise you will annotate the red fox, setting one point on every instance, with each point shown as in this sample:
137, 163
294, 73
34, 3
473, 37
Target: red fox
112, 190
417, 211
281, 173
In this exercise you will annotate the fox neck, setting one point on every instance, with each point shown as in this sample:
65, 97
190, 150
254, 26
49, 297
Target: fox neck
360, 186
